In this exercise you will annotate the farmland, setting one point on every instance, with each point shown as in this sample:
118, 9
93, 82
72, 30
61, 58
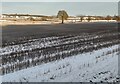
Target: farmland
27, 46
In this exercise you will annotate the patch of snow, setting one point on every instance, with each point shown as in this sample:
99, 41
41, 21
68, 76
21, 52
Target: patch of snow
93, 66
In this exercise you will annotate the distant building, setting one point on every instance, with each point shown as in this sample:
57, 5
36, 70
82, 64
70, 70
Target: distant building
21, 16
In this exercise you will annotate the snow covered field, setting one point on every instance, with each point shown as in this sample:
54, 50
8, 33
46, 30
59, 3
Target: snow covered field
96, 66
59, 53
39, 51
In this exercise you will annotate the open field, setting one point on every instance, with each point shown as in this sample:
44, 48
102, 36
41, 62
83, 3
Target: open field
19, 33
97, 66
26, 46
5, 23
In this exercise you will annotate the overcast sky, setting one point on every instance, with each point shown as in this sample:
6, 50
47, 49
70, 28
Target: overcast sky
60, 0
51, 8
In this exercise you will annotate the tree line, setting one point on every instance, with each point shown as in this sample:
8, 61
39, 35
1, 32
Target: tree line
63, 15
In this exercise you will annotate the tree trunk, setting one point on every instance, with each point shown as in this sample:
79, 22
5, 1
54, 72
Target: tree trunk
62, 20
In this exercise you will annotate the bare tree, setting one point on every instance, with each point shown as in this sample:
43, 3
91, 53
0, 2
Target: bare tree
89, 18
108, 17
62, 14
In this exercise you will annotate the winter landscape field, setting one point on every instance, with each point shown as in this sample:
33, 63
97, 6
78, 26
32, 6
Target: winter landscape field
78, 52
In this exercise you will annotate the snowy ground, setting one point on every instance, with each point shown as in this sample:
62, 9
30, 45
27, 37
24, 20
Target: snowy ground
96, 66
55, 41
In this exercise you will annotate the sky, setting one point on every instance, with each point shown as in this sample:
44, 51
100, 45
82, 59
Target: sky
60, 0
51, 8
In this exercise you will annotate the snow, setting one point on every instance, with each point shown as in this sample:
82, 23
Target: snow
52, 41
0, 79
94, 66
